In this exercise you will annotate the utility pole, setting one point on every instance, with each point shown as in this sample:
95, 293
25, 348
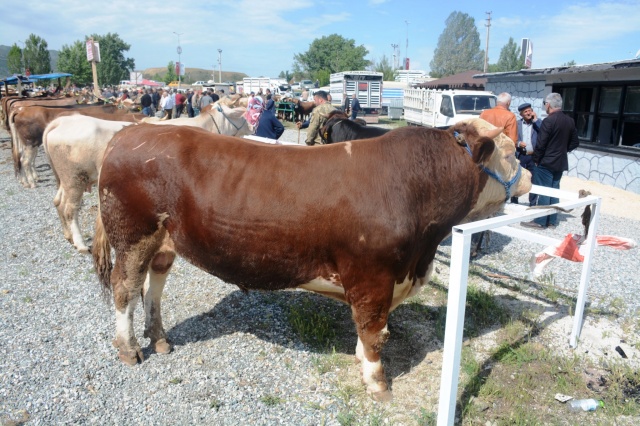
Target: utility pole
179, 50
406, 49
486, 50
395, 63
219, 65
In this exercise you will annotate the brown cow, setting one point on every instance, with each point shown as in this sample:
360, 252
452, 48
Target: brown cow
303, 109
364, 232
10, 104
27, 128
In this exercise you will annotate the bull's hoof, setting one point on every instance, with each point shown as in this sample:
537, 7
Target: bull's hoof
162, 346
131, 356
84, 250
128, 356
382, 396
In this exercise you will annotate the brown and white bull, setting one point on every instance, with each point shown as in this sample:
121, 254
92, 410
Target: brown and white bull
358, 221
75, 146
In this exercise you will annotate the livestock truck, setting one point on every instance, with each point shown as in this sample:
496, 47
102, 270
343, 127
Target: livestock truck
443, 108
367, 85
255, 84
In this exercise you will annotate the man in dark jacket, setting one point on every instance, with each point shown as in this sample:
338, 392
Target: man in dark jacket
528, 129
557, 136
355, 107
145, 103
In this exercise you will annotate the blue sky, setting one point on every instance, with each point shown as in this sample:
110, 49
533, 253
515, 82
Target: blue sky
260, 38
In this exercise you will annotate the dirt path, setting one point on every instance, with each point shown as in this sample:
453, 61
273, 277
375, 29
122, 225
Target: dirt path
615, 201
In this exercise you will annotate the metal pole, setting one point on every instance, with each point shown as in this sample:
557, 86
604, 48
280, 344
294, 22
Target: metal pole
395, 63
179, 53
219, 65
406, 49
486, 51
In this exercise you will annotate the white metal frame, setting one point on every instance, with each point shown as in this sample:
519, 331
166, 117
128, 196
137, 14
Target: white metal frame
460, 247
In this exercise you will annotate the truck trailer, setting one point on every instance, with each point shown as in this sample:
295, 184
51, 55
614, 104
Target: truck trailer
367, 85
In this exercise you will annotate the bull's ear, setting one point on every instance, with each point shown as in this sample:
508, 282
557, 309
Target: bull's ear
469, 131
483, 149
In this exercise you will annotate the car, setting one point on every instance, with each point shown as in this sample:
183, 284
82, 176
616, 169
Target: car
199, 83
295, 86
306, 84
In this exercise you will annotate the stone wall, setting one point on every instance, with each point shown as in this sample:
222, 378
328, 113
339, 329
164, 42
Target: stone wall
610, 169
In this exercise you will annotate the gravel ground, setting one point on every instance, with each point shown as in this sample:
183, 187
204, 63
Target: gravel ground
236, 358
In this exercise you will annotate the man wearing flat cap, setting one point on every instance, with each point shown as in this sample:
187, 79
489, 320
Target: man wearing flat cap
528, 128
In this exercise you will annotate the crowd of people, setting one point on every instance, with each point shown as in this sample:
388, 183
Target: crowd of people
541, 146
164, 103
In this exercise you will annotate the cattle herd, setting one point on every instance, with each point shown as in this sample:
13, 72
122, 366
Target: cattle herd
358, 221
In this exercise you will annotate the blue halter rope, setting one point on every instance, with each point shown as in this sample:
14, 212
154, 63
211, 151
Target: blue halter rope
507, 185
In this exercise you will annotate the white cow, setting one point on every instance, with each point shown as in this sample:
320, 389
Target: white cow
75, 146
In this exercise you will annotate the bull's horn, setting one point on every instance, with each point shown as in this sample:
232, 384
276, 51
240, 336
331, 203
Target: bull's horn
491, 133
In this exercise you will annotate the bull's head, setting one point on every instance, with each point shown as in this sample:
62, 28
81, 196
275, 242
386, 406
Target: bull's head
495, 152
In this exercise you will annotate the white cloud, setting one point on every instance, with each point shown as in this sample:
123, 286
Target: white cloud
579, 31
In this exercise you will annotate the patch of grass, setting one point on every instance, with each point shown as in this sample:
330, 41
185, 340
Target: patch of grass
175, 381
482, 311
524, 377
426, 418
215, 404
313, 325
27, 299
346, 418
330, 362
271, 400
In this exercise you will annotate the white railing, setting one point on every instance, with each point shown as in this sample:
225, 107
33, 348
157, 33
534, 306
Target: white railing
459, 270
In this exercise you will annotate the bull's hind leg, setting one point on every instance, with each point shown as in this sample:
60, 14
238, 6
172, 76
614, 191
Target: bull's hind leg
153, 287
71, 207
370, 317
29, 163
126, 283
59, 202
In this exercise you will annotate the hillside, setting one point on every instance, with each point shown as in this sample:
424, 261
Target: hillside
4, 51
193, 74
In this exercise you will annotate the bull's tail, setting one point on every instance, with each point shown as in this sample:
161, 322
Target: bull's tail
15, 146
101, 251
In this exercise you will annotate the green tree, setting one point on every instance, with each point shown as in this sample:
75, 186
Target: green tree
171, 73
36, 55
330, 54
113, 66
571, 63
286, 75
458, 48
73, 60
14, 60
511, 58
385, 67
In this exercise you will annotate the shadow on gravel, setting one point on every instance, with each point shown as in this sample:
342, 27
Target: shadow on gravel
266, 315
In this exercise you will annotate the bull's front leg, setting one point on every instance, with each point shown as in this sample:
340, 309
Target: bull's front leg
371, 324
152, 296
